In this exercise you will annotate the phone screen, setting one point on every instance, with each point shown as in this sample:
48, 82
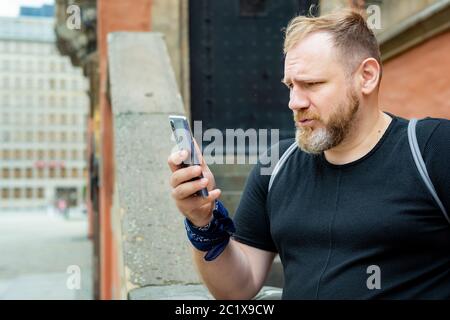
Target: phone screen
184, 140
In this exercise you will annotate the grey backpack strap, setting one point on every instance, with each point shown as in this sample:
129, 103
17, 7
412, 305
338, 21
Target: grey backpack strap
420, 164
280, 163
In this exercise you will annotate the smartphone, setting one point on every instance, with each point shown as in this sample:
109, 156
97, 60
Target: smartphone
184, 140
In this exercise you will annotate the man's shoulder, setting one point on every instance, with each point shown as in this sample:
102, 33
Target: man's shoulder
428, 130
433, 132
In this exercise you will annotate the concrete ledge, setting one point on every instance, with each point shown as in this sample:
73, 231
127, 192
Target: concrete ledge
175, 292
144, 81
143, 92
414, 30
192, 292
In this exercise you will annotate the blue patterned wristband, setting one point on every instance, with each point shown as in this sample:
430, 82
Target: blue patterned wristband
213, 237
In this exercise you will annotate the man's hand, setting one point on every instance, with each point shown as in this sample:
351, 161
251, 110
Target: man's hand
197, 209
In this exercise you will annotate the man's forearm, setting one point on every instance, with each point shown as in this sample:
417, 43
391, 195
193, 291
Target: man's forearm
229, 276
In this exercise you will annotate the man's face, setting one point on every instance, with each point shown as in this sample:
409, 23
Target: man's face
322, 96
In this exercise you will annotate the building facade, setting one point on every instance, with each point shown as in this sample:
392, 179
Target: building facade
43, 111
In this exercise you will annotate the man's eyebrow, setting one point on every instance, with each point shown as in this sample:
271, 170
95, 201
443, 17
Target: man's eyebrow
302, 80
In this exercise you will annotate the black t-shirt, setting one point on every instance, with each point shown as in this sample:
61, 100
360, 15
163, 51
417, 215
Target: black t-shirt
331, 223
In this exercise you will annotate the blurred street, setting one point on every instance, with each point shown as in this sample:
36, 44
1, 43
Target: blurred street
35, 252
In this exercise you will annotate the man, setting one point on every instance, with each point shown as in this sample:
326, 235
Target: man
348, 212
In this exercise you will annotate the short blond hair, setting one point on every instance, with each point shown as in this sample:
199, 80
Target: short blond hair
352, 37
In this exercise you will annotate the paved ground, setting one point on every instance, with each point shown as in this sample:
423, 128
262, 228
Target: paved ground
36, 251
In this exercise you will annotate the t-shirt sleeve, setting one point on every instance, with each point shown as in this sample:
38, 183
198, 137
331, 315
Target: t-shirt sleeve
251, 217
436, 154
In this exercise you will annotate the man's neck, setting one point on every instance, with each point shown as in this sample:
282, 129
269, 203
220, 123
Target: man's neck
367, 130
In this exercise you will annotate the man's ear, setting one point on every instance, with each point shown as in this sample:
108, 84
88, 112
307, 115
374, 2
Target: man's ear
369, 75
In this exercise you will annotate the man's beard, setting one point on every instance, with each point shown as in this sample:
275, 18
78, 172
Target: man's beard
336, 129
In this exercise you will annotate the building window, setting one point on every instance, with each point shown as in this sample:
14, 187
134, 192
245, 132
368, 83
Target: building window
6, 154
28, 193
18, 154
7, 99
17, 193
41, 136
17, 173
6, 136
40, 154
63, 119
52, 173
29, 154
30, 66
29, 136
40, 193
6, 82
5, 193
52, 154
5, 173
63, 137
74, 154
40, 172
51, 101
74, 173
6, 118
29, 173
18, 135
63, 154
63, 173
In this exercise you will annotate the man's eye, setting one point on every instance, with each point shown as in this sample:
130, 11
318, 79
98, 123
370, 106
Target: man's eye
310, 84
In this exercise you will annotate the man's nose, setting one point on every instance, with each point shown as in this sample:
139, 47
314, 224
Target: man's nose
298, 99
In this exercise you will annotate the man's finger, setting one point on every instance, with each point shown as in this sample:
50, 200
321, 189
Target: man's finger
199, 153
176, 159
197, 202
187, 189
185, 174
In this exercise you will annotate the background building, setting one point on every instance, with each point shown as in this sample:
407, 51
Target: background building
227, 61
43, 111
45, 10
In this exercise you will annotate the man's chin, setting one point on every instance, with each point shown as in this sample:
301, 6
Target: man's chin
313, 141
